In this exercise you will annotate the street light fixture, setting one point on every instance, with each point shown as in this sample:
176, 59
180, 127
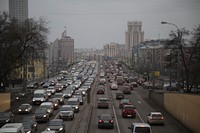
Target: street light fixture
179, 42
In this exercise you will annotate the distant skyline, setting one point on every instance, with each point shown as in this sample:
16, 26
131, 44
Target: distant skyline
93, 23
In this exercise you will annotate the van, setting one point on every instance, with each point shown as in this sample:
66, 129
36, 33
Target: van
49, 106
12, 128
75, 103
140, 128
39, 96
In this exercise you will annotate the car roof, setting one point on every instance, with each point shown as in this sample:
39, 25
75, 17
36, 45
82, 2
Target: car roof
141, 124
156, 113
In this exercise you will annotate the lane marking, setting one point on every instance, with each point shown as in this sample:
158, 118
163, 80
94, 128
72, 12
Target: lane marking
116, 119
140, 117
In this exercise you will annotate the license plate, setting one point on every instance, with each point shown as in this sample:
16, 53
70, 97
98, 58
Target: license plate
129, 115
105, 121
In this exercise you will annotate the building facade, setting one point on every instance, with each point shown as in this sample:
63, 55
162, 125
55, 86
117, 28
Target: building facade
18, 10
61, 53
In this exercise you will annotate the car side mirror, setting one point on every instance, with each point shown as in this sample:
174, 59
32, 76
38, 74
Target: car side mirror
129, 128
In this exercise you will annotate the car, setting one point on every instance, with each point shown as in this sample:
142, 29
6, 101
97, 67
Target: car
58, 87
75, 103
48, 106
12, 128
31, 119
56, 125
67, 93
105, 121
140, 128
119, 95
41, 115
114, 86
100, 90
59, 97
66, 112
129, 111
103, 103
124, 102
102, 80
155, 118
46, 85
80, 98
28, 127
6, 117
126, 90
55, 103
33, 85
24, 108
51, 89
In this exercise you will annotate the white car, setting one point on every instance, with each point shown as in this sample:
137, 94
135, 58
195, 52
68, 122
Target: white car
114, 86
155, 118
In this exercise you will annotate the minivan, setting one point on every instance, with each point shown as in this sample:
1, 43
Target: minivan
12, 128
140, 128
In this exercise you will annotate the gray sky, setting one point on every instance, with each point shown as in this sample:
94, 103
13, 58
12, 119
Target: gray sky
93, 23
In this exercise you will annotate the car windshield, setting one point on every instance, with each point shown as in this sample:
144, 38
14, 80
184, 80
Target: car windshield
156, 115
38, 95
24, 106
72, 102
55, 123
27, 119
40, 111
57, 95
142, 130
66, 109
27, 125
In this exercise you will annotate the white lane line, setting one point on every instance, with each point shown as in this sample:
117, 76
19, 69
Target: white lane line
140, 116
116, 120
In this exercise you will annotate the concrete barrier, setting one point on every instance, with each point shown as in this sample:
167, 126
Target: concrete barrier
4, 101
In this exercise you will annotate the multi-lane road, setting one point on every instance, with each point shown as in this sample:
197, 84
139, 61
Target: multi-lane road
139, 98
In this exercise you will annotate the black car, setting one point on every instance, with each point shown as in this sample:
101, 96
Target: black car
105, 121
59, 97
41, 114
6, 117
119, 95
56, 125
33, 85
29, 127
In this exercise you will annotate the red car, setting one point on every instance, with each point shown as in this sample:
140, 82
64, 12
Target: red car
58, 88
124, 102
129, 111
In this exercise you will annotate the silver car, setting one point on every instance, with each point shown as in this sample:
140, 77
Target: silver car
66, 112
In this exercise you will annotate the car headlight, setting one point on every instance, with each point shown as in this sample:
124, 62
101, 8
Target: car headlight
33, 100
19, 110
7, 120
42, 99
48, 129
26, 109
60, 129
61, 99
76, 107
44, 115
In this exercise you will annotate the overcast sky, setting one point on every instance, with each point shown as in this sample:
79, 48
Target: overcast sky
93, 23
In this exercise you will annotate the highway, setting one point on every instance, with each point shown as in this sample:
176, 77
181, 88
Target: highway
139, 98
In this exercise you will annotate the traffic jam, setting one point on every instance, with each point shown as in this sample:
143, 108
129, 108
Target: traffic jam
58, 103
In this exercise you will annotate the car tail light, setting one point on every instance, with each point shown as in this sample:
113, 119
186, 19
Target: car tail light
100, 121
162, 118
111, 121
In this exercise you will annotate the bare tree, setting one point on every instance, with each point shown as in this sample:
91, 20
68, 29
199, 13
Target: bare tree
17, 40
185, 56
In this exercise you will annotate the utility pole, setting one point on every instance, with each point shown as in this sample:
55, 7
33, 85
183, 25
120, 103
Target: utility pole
153, 68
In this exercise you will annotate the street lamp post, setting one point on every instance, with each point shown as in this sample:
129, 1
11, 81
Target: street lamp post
179, 41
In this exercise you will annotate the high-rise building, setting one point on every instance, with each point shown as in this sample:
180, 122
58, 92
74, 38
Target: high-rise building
18, 10
134, 34
61, 52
